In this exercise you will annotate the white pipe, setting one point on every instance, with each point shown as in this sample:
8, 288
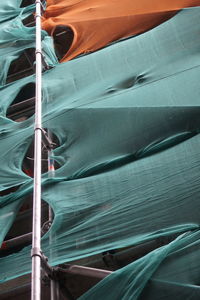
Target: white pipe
36, 238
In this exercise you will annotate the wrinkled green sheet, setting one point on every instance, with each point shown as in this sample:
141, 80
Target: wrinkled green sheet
15, 38
127, 118
169, 272
10, 9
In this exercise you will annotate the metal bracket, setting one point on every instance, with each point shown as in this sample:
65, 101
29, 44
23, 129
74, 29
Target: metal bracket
49, 271
47, 142
47, 268
45, 65
109, 259
45, 227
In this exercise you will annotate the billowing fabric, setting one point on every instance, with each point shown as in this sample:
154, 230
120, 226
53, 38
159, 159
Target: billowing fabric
11, 8
96, 23
127, 118
170, 272
15, 38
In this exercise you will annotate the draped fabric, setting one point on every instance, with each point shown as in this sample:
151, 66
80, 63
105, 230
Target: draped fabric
97, 23
169, 272
127, 121
10, 9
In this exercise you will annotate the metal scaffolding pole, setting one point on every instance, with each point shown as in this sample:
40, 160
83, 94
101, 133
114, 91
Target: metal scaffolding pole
36, 237
51, 172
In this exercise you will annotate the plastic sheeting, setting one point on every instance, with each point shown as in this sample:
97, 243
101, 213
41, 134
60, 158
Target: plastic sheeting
127, 118
96, 23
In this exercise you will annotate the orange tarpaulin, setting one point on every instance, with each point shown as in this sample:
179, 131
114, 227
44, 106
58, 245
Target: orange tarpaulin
96, 23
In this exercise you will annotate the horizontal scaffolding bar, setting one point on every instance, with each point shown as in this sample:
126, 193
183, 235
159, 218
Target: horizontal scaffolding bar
21, 108
85, 271
16, 242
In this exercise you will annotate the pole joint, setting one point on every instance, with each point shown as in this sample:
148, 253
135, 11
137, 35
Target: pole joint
47, 142
37, 51
44, 63
41, 4
36, 252
49, 271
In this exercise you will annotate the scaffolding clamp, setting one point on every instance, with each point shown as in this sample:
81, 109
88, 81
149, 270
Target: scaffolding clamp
109, 259
43, 58
44, 63
47, 142
45, 227
49, 271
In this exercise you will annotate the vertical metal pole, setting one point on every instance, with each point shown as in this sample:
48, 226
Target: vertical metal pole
51, 172
36, 238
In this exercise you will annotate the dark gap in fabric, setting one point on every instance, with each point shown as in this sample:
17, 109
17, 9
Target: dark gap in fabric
123, 257
113, 260
28, 162
63, 37
25, 3
23, 106
20, 233
29, 21
23, 66
147, 151
28, 91
9, 190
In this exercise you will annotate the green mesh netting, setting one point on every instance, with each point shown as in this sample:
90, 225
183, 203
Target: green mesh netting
15, 38
127, 118
10, 9
170, 272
